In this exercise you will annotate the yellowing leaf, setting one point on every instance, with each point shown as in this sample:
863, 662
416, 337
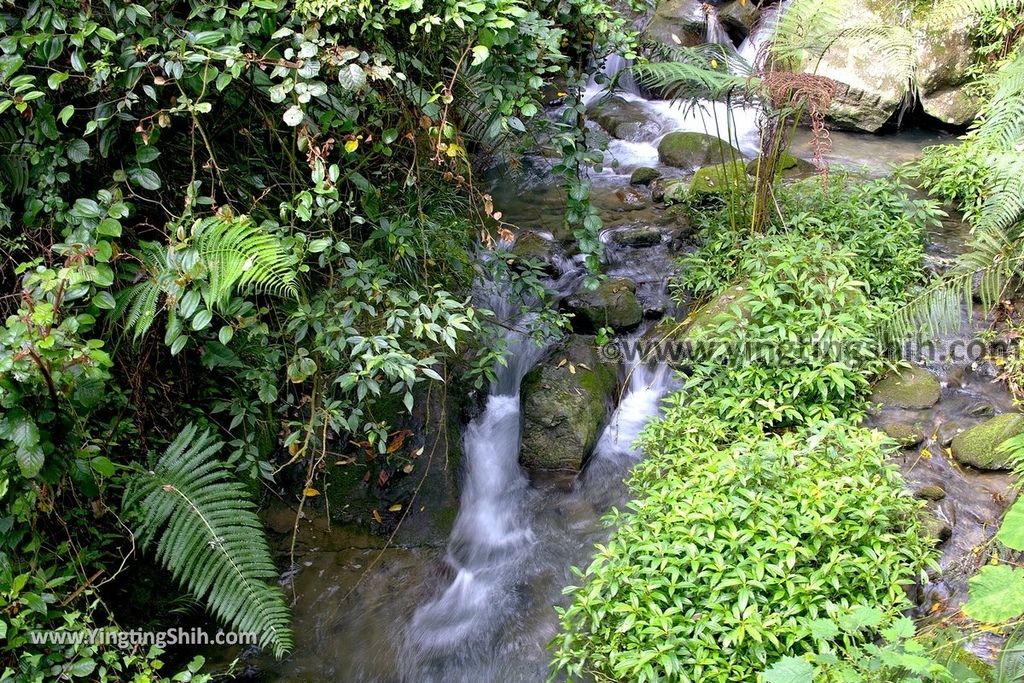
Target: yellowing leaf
309, 492
351, 145
397, 507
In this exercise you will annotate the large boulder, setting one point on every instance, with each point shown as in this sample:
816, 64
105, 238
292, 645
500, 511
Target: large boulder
684, 149
623, 119
977, 446
945, 54
565, 401
612, 303
910, 388
871, 87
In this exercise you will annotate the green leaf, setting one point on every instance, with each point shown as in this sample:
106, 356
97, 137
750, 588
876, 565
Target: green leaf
225, 334
202, 319
1011, 534
103, 466
145, 178
996, 594
480, 54
790, 670
104, 300
55, 79
293, 115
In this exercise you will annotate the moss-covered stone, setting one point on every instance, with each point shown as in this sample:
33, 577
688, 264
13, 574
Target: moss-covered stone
904, 433
612, 303
684, 149
912, 388
645, 175
977, 446
675, 191
565, 400
934, 527
637, 236
719, 179
932, 492
788, 165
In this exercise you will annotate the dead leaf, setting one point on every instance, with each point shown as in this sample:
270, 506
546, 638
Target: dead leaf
408, 468
383, 477
572, 369
562, 362
418, 452
397, 507
376, 517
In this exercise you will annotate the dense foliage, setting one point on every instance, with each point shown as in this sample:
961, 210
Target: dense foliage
756, 462
256, 215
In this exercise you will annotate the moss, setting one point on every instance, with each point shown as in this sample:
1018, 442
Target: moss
977, 446
903, 433
911, 388
613, 304
788, 164
644, 176
692, 150
719, 179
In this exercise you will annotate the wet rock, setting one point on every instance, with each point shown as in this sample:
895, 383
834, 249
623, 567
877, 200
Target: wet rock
532, 246
946, 432
904, 433
565, 400
788, 165
977, 446
913, 388
675, 191
980, 409
693, 150
719, 180
683, 22
932, 492
623, 199
612, 304
934, 527
639, 236
623, 119
645, 175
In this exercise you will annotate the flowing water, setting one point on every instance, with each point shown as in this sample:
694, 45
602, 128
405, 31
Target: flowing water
480, 606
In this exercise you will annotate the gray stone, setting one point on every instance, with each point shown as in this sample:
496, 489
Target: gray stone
932, 492
612, 303
623, 119
565, 401
685, 149
644, 175
904, 433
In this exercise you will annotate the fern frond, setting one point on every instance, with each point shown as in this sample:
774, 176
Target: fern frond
1002, 123
240, 255
693, 79
806, 27
955, 9
207, 534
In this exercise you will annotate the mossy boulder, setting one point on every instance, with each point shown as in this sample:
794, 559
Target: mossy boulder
645, 175
911, 388
533, 249
623, 119
904, 433
932, 492
565, 401
682, 338
719, 179
675, 191
788, 165
934, 528
689, 150
612, 303
977, 446
637, 236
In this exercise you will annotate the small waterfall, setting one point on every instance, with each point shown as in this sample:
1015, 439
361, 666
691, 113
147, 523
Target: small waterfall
714, 31
474, 630
763, 31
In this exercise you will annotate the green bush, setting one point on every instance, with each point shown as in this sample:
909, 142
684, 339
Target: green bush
730, 553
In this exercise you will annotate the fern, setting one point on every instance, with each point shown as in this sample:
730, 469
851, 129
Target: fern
207, 534
241, 255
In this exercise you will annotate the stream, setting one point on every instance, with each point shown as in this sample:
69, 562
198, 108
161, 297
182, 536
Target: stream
478, 605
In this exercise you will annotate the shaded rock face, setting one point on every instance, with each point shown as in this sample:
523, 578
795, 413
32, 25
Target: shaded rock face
565, 401
911, 388
685, 20
944, 56
534, 248
623, 120
612, 304
693, 150
978, 446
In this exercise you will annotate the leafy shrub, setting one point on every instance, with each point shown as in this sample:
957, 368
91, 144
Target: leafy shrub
731, 553
796, 346
876, 221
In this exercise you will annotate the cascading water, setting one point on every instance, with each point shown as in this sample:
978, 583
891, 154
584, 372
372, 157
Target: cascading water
512, 543
714, 31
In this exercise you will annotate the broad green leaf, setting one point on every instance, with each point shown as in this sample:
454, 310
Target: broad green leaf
1011, 534
789, 670
996, 594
